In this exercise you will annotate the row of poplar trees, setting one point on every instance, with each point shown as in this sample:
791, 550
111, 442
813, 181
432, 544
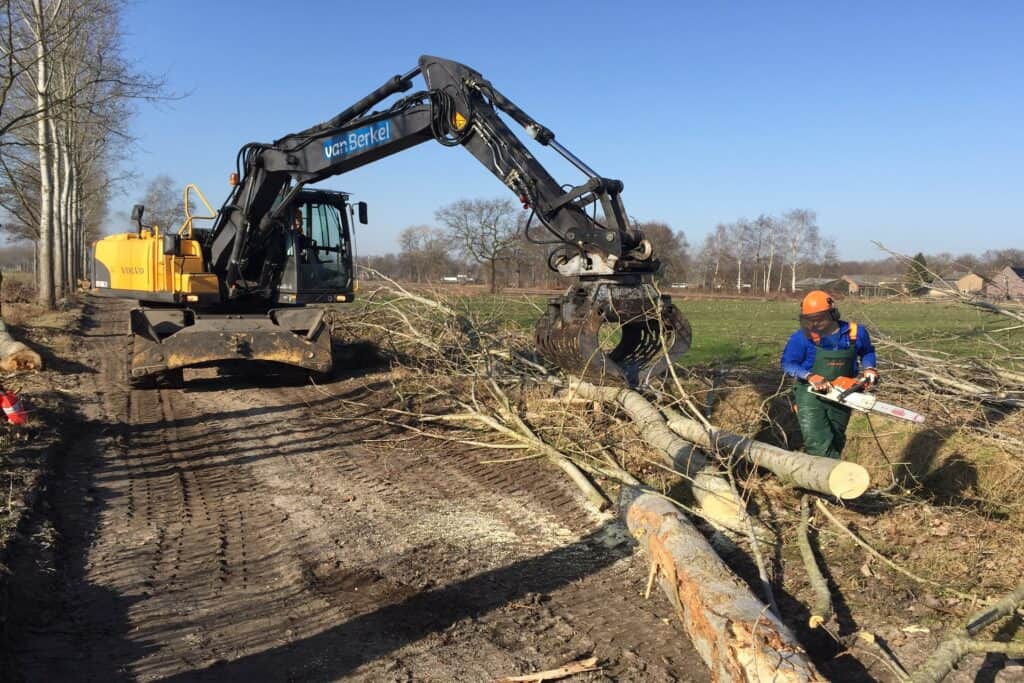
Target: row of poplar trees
66, 100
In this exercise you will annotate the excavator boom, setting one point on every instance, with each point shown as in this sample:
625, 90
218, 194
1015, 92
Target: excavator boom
611, 262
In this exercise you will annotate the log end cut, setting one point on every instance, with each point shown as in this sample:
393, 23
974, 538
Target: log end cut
848, 480
25, 359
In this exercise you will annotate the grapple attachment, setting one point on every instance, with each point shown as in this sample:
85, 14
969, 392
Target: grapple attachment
647, 331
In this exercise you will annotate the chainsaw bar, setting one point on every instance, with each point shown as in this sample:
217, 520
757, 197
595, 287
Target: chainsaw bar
867, 403
653, 333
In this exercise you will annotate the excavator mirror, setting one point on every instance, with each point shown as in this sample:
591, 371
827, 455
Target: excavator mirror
361, 208
137, 211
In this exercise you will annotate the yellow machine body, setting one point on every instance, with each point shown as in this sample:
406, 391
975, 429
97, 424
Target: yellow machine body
135, 265
182, 320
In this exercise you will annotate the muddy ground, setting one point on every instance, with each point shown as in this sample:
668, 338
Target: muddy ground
256, 526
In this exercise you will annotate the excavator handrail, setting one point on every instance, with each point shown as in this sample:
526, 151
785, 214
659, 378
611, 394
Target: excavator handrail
186, 228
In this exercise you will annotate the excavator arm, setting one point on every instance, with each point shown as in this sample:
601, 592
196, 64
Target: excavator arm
611, 261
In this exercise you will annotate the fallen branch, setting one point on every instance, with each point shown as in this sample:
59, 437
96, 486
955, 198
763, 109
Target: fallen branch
734, 632
528, 438
821, 607
578, 667
885, 560
961, 641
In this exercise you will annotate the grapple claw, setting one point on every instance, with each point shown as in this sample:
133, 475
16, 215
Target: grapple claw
652, 331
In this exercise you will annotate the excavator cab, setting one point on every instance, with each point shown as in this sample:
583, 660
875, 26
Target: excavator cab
318, 266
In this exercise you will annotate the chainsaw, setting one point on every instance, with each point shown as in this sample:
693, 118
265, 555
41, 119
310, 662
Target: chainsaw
852, 394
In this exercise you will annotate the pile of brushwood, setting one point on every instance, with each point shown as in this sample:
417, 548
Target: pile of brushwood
781, 565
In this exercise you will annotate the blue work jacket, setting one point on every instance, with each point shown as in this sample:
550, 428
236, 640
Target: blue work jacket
798, 356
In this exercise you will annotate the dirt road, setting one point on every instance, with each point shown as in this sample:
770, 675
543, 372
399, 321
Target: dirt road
259, 527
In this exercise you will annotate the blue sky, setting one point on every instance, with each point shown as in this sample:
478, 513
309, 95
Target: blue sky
896, 122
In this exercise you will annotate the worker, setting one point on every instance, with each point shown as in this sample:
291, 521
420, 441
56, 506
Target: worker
298, 238
826, 350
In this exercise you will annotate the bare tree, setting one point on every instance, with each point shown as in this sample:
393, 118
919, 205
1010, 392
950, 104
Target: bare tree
424, 252
710, 257
802, 240
484, 230
766, 238
670, 247
740, 237
829, 258
73, 85
165, 203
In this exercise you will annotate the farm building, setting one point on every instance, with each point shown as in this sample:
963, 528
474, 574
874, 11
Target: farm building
1008, 283
962, 282
970, 283
811, 283
872, 285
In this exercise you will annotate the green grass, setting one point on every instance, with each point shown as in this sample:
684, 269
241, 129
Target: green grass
753, 332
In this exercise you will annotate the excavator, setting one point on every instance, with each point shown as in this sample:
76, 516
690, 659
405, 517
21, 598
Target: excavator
257, 282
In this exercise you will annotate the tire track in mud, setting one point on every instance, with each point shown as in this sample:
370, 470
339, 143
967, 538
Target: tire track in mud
250, 527
527, 507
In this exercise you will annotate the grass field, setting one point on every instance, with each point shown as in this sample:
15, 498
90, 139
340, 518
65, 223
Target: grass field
753, 332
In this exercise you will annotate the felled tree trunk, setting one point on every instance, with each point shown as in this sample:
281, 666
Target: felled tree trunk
16, 356
734, 632
825, 475
716, 498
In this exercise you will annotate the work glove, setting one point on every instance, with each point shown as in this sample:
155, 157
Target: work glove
818, 383
869, 376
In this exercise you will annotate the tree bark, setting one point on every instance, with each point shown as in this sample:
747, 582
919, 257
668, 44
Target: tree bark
734, 632
841, 479
59, 223
68, 251
44, 265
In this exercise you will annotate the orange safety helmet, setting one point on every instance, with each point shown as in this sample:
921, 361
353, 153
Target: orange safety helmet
816, 302
818, 314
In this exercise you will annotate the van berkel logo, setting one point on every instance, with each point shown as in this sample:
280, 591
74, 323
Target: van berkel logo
358, 140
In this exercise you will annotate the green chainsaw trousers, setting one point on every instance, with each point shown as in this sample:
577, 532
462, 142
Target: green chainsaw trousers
822, 423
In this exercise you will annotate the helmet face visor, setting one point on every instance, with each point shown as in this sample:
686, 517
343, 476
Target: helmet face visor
822, 323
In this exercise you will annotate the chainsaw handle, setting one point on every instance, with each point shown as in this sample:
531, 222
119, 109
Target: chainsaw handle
858, 386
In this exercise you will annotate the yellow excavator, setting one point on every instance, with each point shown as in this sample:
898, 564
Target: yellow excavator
255, 283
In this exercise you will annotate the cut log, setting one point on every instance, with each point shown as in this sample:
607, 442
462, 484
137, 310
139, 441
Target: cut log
734, 632
717, 500
841, 479
16, 356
